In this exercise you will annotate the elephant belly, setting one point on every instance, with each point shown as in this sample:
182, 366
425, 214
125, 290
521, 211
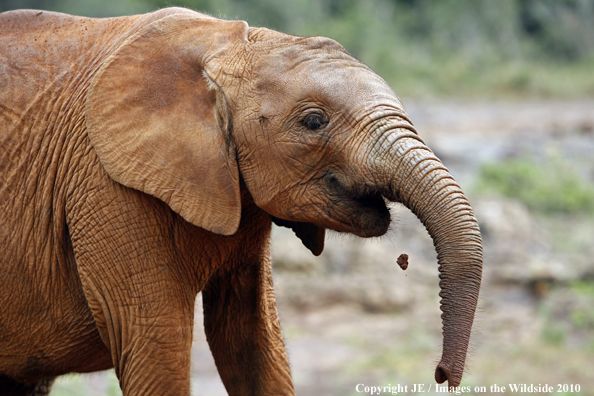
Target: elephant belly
44, 351
48, 334
61, 355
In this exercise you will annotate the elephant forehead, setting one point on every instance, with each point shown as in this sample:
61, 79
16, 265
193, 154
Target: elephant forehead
339, 83
337, 80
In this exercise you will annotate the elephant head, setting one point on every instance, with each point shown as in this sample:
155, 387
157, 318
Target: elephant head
193, 109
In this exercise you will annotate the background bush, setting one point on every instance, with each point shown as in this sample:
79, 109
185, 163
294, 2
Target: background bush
536, 48
551, 186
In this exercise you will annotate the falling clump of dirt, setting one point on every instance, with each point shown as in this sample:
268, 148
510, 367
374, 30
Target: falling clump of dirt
403, 261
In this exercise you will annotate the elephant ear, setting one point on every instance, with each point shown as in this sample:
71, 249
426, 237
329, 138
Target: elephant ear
160, 125
310, 234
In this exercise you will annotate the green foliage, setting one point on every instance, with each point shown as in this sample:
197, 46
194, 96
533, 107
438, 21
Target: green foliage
554, 335
584, 287
567, 314
550, 187
582, 315
421, 47
553, 331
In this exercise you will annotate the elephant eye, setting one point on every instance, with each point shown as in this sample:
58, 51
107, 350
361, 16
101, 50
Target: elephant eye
314, 122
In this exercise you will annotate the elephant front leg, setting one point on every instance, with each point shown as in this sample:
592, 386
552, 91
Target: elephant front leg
243, 332
145, 317
149, 336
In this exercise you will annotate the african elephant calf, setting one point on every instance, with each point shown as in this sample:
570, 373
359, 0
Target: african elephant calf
143, 160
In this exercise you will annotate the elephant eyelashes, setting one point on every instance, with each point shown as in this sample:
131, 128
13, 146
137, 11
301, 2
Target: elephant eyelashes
314, 122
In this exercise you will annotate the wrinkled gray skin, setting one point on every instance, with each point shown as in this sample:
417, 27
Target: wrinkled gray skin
143, 160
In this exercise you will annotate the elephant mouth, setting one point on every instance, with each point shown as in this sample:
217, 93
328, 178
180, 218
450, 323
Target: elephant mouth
372, 214
361, 209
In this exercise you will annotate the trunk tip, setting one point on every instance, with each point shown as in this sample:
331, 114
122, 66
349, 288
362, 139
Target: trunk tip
442, 373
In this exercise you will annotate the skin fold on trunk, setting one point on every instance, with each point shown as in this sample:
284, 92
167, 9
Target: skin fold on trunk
414, 176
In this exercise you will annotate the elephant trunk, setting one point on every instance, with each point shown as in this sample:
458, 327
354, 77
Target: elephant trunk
411, 174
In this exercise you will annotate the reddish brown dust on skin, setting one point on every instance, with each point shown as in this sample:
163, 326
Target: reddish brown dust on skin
403, 261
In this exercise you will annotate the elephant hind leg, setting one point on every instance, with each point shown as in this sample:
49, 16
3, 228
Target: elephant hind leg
10, 387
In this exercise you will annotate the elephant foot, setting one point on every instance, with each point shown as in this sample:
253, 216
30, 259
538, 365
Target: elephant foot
10, 387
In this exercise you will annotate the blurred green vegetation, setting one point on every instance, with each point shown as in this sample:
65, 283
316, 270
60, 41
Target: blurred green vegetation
567, 316
423, 48
536, 359
582, 316
551, 186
